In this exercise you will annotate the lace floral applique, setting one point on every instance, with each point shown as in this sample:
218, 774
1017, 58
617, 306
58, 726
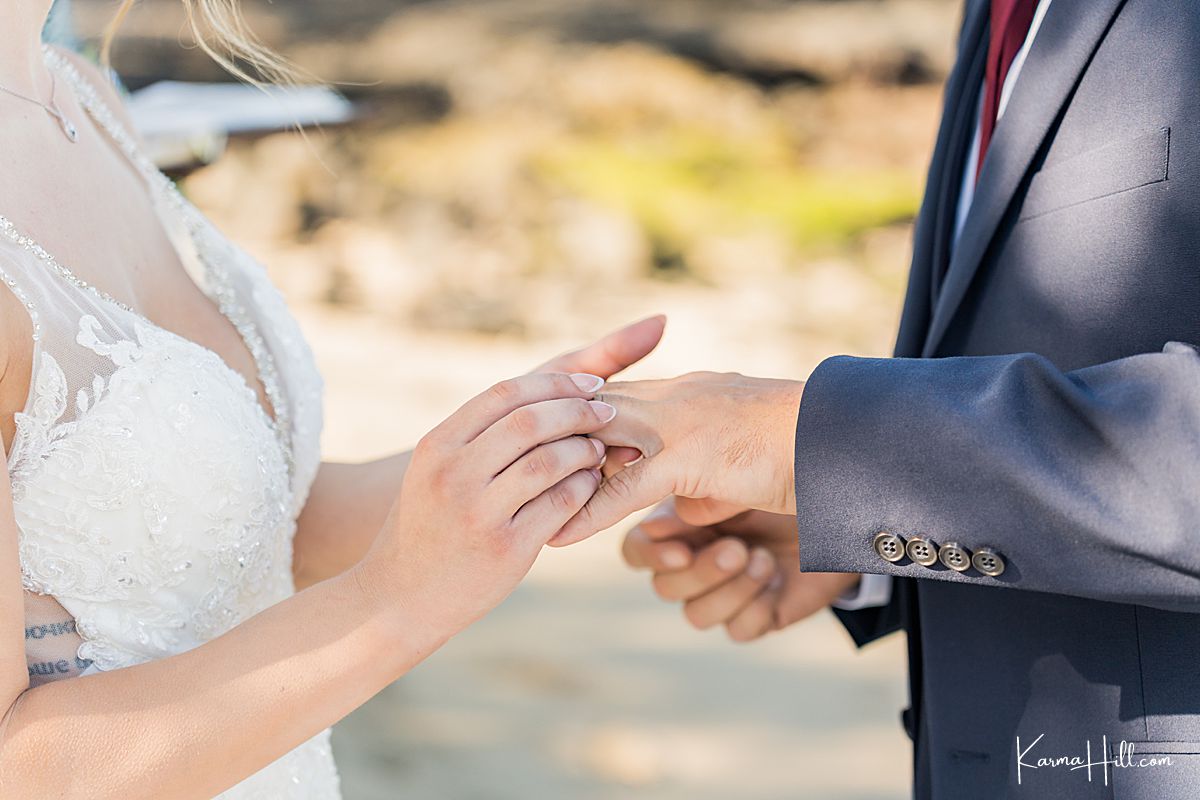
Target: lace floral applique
121, 351
32, 439
43, 424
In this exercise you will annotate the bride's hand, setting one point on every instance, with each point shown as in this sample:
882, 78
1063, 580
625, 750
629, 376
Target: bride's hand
724, 438
485, 490
613, 352
609, 355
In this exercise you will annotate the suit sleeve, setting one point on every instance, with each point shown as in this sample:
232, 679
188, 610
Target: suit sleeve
1085, 483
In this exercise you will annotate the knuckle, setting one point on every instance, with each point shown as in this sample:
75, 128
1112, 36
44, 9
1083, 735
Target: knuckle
583, 452
506, 391
471, 520
563, 498
428, 445
499, 544
524, 422
563, 385
440, 479
620, 486
582, 415
543, 462
442, 474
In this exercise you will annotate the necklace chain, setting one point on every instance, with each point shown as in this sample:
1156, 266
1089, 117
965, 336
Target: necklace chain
51, 108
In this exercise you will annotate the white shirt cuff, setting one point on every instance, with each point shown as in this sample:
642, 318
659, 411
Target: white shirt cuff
872, 591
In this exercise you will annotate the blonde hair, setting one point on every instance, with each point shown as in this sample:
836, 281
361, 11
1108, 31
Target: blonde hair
220, 30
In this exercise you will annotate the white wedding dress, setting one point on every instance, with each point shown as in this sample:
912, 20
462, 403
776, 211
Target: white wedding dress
155, 496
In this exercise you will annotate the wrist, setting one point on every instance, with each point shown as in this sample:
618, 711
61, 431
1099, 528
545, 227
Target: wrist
406, 629
777, 430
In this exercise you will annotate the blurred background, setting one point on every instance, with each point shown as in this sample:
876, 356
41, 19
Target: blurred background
520, 177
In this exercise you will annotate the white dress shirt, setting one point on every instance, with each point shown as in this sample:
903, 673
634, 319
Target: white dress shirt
876, 590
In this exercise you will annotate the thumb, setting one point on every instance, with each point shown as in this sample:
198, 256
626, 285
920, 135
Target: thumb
612, 353
701, 511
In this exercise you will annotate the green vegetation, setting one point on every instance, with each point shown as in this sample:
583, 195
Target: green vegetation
684, 184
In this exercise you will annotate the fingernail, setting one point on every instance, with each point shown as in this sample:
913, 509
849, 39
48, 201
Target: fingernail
587, 383
776, 582
597, 474
728, 559
662, 511
604, 412
674, 559
600, 448
760, 565
634, 460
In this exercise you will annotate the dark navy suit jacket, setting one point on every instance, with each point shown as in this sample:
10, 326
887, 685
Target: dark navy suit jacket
1038, 406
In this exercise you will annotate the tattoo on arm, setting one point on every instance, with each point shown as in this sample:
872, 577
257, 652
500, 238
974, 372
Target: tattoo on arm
45, 645
51, 629
52, 669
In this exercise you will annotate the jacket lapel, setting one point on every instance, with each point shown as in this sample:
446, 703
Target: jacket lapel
1070, 34
962, 128
931, 237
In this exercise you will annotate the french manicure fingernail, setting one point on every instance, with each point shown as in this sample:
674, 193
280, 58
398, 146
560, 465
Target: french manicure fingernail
587, 383
728, 560
597, 474
760, 565
599, 445
604, 412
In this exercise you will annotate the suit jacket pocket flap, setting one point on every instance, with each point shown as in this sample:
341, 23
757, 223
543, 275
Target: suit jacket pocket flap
1109, 170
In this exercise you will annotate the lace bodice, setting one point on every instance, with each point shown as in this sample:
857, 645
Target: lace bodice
155, 496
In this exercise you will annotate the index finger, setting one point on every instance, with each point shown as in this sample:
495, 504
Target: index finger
482, 411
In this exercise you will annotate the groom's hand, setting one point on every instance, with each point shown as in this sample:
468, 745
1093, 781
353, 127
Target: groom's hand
741, 572
726, 438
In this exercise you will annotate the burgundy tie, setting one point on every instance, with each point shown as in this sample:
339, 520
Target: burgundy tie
1010, 25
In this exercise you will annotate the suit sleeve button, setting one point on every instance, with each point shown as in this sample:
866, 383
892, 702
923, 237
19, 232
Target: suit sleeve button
921, 550
988, 561
889, 546
954, 556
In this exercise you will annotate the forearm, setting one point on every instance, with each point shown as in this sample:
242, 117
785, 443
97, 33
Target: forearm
346, 508
193, 725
